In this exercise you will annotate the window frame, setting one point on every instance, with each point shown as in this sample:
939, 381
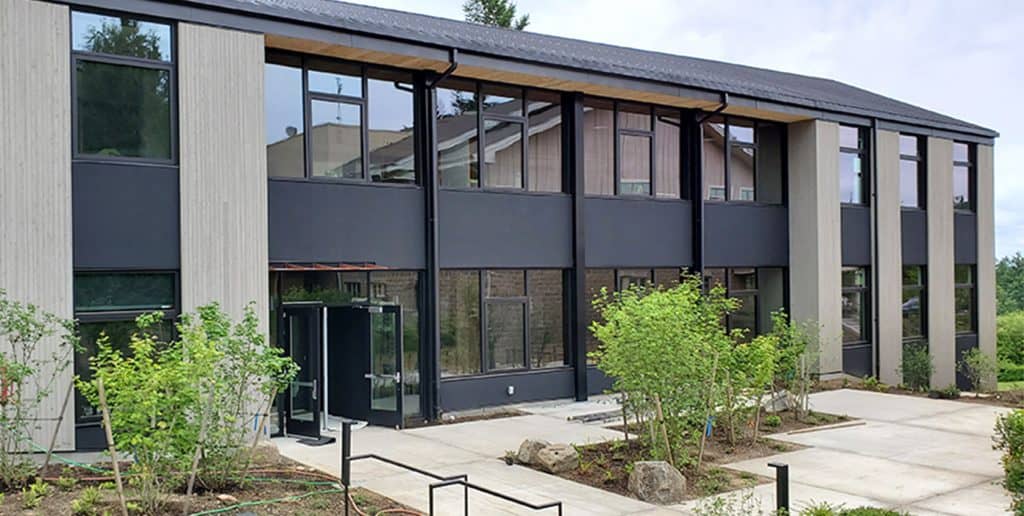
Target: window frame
862, 151
921, 288
305, 63
727, 162
867, 307
972, 287
759, 324
170, 66
972, 176
648, 134
921, 159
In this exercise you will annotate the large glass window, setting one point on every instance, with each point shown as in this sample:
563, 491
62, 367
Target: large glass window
360, 122
912, 171
106, 292
742, 160
457, 134
544, 114
963, 176
760, 291
914, 302
459, 318
599, 147
853, 168
964, 299
401, 288
545, 290
123, 87
855, 305
668, 156
635, 137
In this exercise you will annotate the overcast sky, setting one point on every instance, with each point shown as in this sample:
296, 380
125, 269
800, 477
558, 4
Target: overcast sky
961, 58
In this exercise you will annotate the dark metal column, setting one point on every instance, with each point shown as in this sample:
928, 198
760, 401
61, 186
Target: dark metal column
572, 147
694, 143
430, 365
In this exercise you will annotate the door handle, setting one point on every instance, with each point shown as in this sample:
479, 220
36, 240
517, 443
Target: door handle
398, 377
314, 389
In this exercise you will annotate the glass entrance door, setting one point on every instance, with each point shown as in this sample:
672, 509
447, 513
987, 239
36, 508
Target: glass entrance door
385, 366
301, 332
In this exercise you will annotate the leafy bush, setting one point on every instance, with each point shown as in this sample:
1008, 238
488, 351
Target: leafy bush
772, 421
87, 502
1010, 337
794, 344
741, 502
827, 509
949, 392
28, 372
1009, 439
1010, 372
978, 367
916, 367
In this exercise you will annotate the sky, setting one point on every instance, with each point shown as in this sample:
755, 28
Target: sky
960, 58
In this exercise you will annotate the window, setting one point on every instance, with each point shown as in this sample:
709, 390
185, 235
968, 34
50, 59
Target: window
108, 303
914, 302
360, 121
964, 299
963, 175
855, 307
631, 149
522, 326
761, 291
913, 171
123, 87
742, 160
498, 137
853, 170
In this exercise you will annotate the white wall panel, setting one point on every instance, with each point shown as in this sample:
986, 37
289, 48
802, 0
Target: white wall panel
890, 258
986, 280
941, 320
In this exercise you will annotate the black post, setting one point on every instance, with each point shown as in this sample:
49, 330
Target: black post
346, 463
781, 485
572, 147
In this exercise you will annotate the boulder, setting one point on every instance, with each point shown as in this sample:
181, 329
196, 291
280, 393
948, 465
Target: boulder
529, 449
657, 482
558, 458
778, 403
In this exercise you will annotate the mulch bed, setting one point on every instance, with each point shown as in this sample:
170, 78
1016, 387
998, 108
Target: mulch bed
285, 489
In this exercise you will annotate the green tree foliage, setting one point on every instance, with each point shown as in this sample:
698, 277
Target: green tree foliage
1009, 439
1010, 337
36, 347
497, 13
1010, 284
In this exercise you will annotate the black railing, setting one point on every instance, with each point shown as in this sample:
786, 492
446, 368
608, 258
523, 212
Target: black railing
467, 485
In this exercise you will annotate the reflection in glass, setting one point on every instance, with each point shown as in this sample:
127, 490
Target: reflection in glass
912, 321
505, 337
336, 79
502, 100
459, 319
964, 309
547, 318
741, 131
771, 288
851, 179
742, 279
390, 132
667, 278
633, 116
909, 191
849, 137
742, 160
635, 165
503, 154
713, 156
853, 277
714, 277
106, 292
599, 147
337, 139
401, 288
668, 157
961, 187
634, 278
457, 135
545, 144
908, 146
383, 361
91, 32
961, 152
745, 317
853, 313
282, 104
123, 110
771, 150
303, 397
504, 283
596, 281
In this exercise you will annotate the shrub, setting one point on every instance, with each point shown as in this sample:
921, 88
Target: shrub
1010, 337
772, 421
1010, 372
978, 367
1009, 439
87, 502
795, 342
949, 392
827, 509
916, 366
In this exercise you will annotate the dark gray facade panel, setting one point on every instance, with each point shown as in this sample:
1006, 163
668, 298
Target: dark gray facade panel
638, 233
857, 360
491, 229
964, 343
325, 222
914, 236
965, 237
487, 391
125, 216
745, 236
598, 382
856, 235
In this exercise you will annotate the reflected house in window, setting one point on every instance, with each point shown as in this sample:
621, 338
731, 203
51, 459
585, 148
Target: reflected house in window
740, 163
391, 156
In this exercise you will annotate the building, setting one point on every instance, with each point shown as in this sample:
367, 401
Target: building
423, 207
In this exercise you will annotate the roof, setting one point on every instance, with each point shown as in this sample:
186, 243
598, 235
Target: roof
758, 83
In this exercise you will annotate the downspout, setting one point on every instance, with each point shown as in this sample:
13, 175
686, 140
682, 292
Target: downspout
697, 182
876, 333
453, 63
722, 105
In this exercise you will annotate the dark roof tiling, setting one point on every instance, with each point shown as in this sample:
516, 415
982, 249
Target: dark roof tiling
758, 83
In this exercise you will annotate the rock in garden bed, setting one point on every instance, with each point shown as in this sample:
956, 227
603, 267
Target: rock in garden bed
657, 482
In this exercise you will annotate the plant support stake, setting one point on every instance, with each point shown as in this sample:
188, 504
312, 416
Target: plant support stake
110, 445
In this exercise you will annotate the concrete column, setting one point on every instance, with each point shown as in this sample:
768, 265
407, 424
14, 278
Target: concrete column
35, 177
941, 310
815, 257
986, 278
890, 258
223, 169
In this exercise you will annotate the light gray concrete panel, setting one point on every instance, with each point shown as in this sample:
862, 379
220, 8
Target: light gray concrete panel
941, 320
986, 280
35, 176
223, 169
815, 255
890, 259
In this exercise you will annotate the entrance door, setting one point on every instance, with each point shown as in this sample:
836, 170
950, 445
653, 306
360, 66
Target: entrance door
301, 333
385, 365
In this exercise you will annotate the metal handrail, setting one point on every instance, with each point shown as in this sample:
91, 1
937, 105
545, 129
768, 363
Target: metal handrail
467, 485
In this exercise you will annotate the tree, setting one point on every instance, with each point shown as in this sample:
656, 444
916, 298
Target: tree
1010, 284
496, 13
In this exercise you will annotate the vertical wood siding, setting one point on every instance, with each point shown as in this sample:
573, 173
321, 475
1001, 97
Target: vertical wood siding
941, 320
986, 280
890, 258
814, 228
35, 175
223, 169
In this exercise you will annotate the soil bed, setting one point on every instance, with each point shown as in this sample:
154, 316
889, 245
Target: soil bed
286, 489
607, 465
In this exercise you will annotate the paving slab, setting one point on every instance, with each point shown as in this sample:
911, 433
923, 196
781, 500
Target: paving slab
880, 406
987, 498
972, 418
801, 496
